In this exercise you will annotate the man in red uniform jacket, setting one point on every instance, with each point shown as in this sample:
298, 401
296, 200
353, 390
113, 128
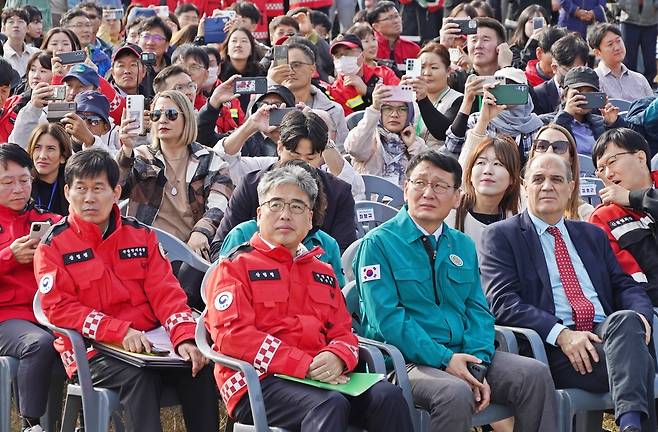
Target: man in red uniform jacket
630, 208
20, 335
105, 276
355, 80
272, 303
387, 23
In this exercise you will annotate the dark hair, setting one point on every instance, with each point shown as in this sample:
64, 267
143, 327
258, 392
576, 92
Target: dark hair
491, 23
439, 50
283, 20
320, 204
164, 74
549, 36
380, 8
597, 32
15, 12
467, 9
91, 5
89, 164
185, 35
441, 161
213, 52
14, 153
189, 50
75, 42
625, 138
186, 7
568, 48
6, 73
361, 30
247, 10
321, 19
156, 22
303, 44
297, 125
519, 37
43, 57
252, 68
479, 4
73, 13
33, 13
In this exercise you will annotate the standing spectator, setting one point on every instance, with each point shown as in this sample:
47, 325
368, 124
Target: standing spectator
60, 40
367, 35
616, 80
577, 15
639, 28
540, 70
34, 35
154, 36
420, 18
525, 39
79, 23
387, 23
95, 14
196, 62
324, 66
16, 51
282, 26
47, 8
323, 25
128, 72
187, 13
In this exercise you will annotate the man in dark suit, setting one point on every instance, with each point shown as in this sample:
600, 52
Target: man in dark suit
561, 279
302, 136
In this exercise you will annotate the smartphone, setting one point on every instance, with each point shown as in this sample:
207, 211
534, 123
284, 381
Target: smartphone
595, 100
479, 371
112, 14
148, 58
162, 11
510, 94
277, 114
538, 22
247, 85
72, 57
401, 93
135, 111
159, 352
57, 110
413, 68
38, 230
59, 92
230, 14
214, 28
455, 54
466, 26
140, 12
280, 55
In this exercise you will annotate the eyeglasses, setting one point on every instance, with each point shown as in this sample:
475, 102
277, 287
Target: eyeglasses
610, 162
151, 37
399, 110
91, 120
23, 182
296, 65
390, 17
195, 68
559, 147
170, 113
438, 188
189, 86
277, 205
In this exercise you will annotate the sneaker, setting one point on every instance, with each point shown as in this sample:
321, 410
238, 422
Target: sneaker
35, 428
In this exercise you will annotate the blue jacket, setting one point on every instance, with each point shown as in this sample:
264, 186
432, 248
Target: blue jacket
568, 19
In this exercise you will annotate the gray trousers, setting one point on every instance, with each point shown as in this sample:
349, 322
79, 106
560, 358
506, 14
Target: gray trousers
520, 382
38, 361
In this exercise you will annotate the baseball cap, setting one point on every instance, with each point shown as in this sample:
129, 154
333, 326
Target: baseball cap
513, 74
127, 48
95, 102
581, 76
279, 90
84, 73
348, 40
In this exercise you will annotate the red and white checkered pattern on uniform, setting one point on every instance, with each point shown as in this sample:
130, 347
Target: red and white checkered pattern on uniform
178, 318
266, 353
115, 103
91, 323
352, 348
233, 385
68, 359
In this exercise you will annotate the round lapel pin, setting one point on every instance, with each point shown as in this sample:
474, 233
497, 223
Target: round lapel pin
456, 260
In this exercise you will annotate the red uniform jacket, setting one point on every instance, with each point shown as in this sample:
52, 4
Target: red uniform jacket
101, 287
532, 74
230, 114
402, 51
349, 97
17, 283
8, 117
312, 4
204, 6
276, 312
435, 7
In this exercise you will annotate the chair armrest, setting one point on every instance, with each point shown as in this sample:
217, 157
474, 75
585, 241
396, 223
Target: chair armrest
536, 344
251, 376
506, 340
372, 358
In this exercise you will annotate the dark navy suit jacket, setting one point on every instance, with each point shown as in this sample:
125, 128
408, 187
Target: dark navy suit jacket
515, 275
545, 97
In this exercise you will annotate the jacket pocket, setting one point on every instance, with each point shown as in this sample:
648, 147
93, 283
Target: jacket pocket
131, 274
270, 295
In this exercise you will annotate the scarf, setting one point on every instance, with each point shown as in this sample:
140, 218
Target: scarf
396, 157
517, 120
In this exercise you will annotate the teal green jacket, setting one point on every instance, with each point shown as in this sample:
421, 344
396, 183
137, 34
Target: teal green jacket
400, 306
243, 232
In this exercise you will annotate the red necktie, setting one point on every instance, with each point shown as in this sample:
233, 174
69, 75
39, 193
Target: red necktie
583, 309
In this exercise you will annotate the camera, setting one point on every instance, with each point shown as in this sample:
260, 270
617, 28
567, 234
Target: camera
58, 110
148, 58
59, 92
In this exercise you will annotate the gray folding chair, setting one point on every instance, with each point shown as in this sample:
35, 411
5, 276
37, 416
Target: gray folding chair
371, 214
347, 258
654, 162
123, 206
622, 104
494, 412
590, 188
353, 119
381, 190
8, 368
176, 250
587, 168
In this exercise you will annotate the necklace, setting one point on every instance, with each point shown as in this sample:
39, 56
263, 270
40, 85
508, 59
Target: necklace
174, 189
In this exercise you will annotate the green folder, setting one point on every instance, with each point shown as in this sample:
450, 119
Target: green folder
359, 382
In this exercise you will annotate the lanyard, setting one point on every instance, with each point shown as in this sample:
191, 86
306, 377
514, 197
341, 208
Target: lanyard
52, 195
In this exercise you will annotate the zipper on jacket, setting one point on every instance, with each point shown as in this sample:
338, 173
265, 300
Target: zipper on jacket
431, 254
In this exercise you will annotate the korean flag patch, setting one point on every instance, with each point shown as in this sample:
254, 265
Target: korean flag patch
223, 300
370, 273
46, 283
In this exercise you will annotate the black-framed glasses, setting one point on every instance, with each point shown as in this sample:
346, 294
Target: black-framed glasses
559, 147
297, 64
610, 161
170, 113
438, 188
399, 110
277, 205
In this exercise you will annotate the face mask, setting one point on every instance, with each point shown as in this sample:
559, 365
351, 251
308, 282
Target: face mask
346, 65
212, 76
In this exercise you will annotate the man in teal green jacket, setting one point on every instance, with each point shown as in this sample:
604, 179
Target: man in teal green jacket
419, 286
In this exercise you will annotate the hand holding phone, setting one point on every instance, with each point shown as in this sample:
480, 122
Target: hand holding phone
413, 68
277, 114
280, 55
250, 85
135, 111
72, 57
38, 230
478, 370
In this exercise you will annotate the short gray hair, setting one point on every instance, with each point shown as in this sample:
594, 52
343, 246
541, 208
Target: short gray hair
289, 174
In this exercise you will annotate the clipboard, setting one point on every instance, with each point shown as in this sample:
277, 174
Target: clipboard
359, 382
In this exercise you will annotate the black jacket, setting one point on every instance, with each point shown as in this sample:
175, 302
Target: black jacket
545, 97
339, 221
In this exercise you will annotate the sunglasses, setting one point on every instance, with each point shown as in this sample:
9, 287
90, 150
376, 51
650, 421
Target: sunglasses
170, 113
559, 147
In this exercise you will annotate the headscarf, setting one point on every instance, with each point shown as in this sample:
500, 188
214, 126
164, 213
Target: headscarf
396, 156
517, 120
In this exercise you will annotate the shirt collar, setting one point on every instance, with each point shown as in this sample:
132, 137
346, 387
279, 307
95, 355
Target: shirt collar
607, 71
436, 233
301, 249
9, 51
542, 226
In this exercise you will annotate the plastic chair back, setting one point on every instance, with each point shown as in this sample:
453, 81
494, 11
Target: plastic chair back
347, 258
370, 214
590, 188
176, 250
8, 369
654, 162
353, 119
587, 168
381, 190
